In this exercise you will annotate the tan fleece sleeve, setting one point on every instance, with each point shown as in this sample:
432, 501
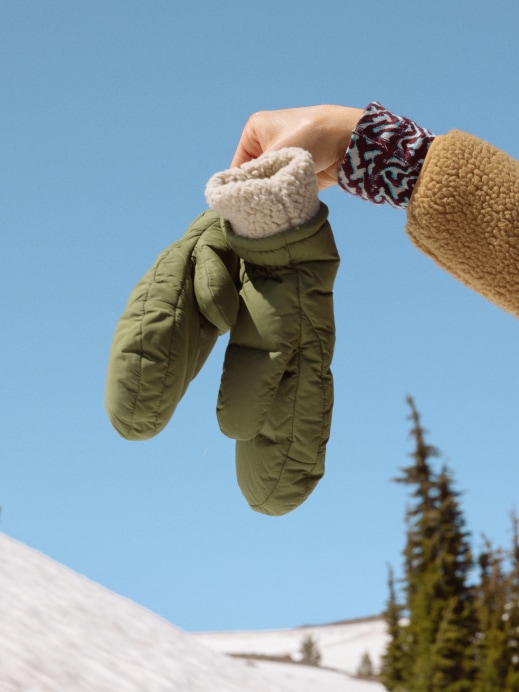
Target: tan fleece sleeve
464, 214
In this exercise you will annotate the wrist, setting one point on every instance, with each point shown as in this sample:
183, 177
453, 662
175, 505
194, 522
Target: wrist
342, 120
332, 126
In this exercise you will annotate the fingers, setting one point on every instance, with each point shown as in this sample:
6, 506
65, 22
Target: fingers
245, 151
249, 147
265, 131
268, 130
324, 131
328, 178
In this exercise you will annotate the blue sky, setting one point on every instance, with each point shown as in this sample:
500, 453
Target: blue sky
114, 115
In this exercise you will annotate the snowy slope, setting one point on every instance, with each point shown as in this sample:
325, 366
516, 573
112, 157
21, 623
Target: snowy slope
61, 632
341, 645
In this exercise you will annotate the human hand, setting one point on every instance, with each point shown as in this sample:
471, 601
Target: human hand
324, 131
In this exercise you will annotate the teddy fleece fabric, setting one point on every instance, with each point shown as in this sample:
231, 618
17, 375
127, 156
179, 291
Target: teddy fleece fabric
464, 214
272, 193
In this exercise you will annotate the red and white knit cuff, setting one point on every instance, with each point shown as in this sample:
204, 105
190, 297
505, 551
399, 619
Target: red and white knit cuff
384, 157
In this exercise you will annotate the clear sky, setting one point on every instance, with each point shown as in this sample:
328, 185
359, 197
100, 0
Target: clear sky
113, 116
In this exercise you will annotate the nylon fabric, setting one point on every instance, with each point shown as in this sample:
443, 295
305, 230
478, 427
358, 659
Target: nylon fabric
276, 393
172, 320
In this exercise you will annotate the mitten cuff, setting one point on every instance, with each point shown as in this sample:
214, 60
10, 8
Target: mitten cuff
272, 193
309, 242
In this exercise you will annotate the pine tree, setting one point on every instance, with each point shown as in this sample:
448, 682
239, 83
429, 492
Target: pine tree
490, 647
452, 654
365, 669
511, 614
437, 560
455, 637
310, 654
395, 659
497, 608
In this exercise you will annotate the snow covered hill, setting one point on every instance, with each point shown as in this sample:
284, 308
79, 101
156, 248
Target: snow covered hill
341, 645
62, 632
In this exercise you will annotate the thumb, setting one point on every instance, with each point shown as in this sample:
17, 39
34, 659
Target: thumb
328, 177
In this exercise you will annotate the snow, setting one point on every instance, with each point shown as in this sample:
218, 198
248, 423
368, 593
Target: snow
62, 632
341, 645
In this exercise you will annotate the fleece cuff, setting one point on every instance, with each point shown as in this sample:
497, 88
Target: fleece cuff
273, 193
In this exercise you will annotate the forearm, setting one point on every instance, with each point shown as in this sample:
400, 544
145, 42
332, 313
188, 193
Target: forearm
464, 214
461, 195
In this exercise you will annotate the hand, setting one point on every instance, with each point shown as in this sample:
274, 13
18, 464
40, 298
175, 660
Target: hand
324, 131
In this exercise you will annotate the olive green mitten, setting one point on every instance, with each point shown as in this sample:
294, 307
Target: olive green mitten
172, 320
276, 392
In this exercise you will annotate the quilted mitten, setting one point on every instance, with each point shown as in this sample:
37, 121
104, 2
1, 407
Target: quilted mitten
173, 317
276, 392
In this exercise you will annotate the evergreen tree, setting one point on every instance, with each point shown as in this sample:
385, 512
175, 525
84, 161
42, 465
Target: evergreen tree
511, 614
497, 608
437, 560
453, 655
365, 669
490, 647
454, 637
395, 660
310, 654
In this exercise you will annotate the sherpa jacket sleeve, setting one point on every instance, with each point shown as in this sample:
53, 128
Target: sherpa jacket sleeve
461, 195
464, 214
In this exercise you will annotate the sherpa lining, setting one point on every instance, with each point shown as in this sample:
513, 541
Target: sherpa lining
272, 193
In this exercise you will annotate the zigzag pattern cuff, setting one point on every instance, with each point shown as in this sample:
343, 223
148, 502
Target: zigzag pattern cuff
384, 157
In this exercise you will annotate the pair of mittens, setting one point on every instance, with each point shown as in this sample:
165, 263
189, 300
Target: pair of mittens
267, 272
276, 393
172, 320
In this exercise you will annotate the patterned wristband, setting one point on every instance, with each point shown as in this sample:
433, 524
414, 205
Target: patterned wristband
384, 157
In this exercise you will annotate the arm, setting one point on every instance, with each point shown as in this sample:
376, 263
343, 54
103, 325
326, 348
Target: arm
461, 194
464, 214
